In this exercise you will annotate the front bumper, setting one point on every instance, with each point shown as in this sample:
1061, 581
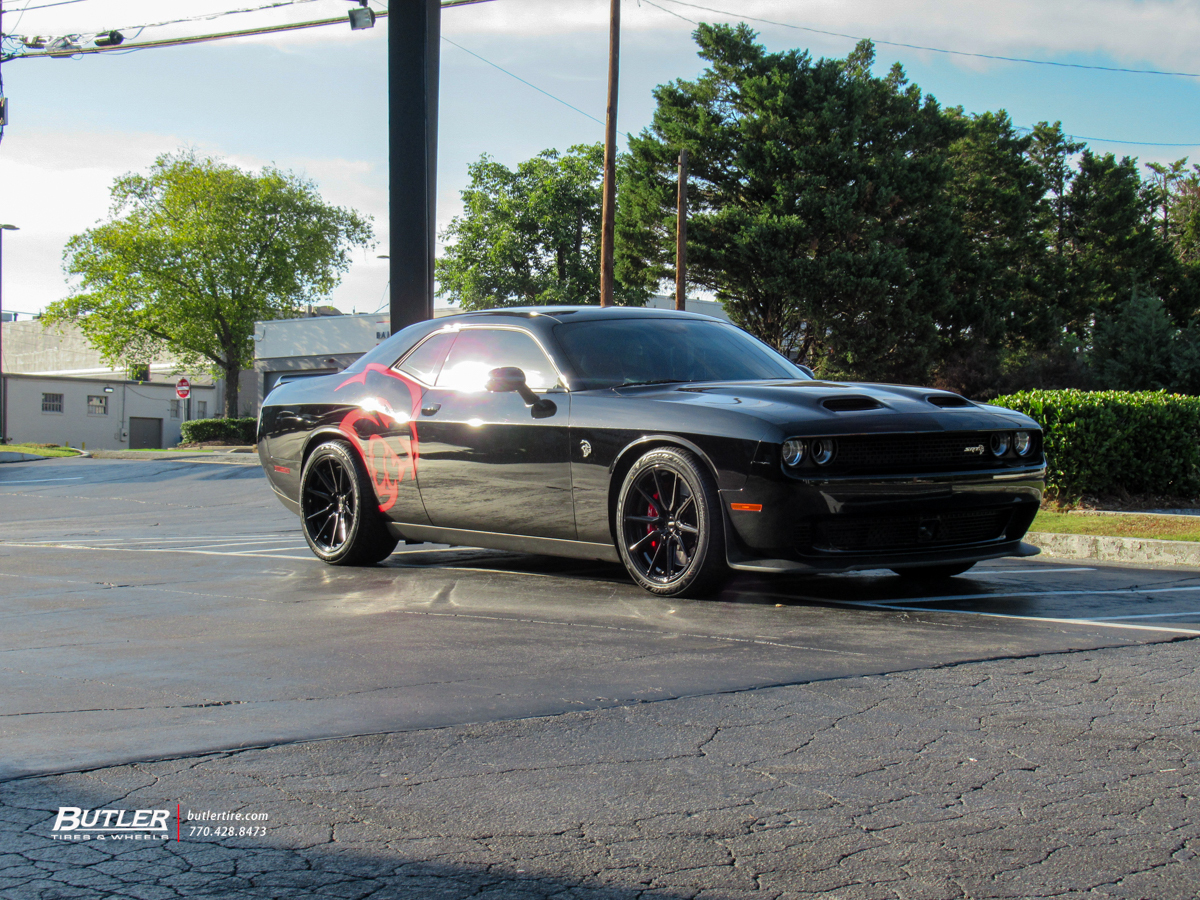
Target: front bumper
842, 524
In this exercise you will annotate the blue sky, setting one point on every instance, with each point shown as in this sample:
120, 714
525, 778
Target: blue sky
315, 101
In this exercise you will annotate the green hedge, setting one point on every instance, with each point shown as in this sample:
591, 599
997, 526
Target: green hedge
234, 431
1100, 442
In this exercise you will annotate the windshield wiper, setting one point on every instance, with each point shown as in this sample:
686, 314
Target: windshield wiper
653, 381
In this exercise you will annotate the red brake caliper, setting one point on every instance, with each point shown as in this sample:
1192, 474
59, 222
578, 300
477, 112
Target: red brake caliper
651, 511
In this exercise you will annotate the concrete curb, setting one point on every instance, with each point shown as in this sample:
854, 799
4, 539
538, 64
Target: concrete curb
1116, 549
8, 456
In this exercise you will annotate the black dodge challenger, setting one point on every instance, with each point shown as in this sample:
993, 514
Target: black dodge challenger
674, 443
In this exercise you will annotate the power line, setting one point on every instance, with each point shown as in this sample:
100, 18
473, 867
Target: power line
48, 5
523, 81
1101, 140
1016, 59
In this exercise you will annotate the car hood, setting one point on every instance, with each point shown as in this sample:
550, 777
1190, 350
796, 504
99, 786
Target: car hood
826, 407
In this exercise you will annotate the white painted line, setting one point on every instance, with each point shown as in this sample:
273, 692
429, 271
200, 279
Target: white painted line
6, 482
1098, 623
248, 554
997, 570
1039, 593
1143, 616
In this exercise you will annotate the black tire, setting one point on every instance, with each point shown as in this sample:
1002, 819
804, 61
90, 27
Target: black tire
669, 502
933, 573
338, 511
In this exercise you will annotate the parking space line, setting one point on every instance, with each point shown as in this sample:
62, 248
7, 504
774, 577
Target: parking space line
997, 570
1098, 623
1012, 595
1144, 616
6, 482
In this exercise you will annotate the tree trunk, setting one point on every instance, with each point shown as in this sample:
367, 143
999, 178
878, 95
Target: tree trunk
232, 373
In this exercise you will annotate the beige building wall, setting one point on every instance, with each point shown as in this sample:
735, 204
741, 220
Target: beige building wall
34, 415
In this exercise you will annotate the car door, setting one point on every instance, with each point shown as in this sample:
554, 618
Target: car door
488, 460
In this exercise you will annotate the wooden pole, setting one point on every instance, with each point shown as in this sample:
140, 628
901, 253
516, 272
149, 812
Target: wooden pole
681, 213
609, 208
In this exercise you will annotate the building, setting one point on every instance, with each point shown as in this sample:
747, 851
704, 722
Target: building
57, 390
100, 414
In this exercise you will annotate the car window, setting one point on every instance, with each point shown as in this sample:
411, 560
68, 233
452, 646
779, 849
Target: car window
425, 361
652, 350
477, 351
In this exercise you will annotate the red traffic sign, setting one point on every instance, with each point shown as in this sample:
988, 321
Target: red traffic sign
183, 389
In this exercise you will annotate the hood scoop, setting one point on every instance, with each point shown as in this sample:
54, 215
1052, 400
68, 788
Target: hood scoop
850, 404
948, 401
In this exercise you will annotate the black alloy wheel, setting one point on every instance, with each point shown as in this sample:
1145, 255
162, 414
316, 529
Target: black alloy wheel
670, 530
338, 510
933, 573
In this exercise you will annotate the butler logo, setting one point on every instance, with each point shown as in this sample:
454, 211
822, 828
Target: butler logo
75, 824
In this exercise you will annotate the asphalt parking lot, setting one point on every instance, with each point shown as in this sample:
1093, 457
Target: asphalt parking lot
167, 630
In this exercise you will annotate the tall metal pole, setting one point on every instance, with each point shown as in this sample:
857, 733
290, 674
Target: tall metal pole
681, 213
414, 36
3, 383
609, 208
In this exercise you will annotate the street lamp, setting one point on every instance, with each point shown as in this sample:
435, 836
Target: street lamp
3, 387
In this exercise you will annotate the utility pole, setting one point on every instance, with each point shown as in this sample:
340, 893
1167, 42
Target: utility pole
414, 36
3, 101
3, 385
681, 213
609, 208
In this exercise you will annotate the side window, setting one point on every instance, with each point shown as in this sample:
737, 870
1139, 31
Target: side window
479, 350
425, 362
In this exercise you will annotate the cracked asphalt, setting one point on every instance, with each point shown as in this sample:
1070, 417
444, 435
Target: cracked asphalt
470, 724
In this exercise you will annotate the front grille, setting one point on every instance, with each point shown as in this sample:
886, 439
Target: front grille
859, 533
879, 454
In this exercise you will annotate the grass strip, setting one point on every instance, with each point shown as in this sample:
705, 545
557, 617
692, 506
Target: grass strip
1159, 528
38, 450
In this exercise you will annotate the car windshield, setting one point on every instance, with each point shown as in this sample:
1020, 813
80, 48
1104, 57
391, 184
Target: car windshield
663, 350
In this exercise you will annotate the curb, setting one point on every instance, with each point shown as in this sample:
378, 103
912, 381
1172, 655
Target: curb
1116, 549
8, 456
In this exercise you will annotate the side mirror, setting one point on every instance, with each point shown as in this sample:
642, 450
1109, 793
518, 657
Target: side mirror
510, 378
806, 370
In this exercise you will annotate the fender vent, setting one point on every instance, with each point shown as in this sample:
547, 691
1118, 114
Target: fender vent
948, 401
850, 404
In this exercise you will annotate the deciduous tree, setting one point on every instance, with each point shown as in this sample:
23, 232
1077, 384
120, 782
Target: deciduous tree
197, 250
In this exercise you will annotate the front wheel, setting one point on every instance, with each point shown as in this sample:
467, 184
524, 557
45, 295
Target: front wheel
933, 573
341, 522
670, 530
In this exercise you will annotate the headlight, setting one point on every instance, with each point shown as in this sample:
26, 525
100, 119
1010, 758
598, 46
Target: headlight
823, 451
793, 451
1000, 443
1023, 443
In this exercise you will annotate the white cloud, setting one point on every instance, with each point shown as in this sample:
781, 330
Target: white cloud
1163, 31
57, 184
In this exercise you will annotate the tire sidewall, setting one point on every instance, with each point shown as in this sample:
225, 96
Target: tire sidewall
351, 548
700, 570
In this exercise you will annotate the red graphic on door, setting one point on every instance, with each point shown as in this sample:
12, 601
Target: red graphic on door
386, 439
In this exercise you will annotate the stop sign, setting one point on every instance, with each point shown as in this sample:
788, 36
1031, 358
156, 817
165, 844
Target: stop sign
183, 388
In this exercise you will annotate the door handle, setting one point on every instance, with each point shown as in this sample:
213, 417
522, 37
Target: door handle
431, 409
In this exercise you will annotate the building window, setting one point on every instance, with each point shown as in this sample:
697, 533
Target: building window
202, 409
52, 403
174, 409
97, 406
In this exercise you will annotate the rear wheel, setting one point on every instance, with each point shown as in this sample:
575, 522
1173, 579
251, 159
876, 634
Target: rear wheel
338, 513
670, 530
933, 573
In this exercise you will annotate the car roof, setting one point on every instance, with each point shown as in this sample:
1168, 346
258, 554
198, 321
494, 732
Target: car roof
584, 313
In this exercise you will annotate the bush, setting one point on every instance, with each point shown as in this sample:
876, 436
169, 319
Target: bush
1105, 442
233, 431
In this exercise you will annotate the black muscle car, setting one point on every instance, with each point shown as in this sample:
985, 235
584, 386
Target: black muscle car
674, 443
